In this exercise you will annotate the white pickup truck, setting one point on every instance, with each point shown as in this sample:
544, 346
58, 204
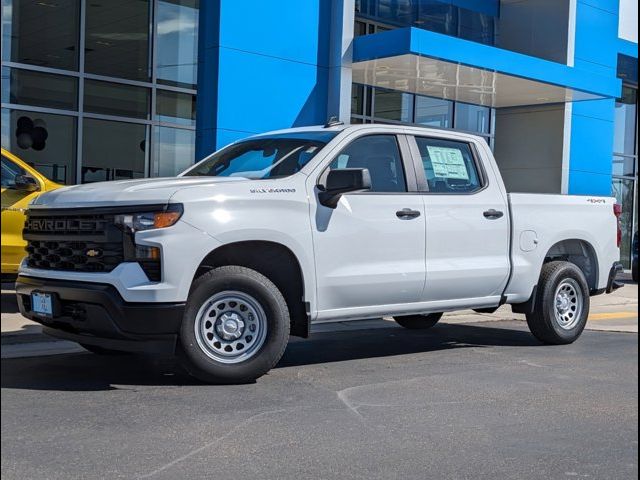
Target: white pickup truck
273, 233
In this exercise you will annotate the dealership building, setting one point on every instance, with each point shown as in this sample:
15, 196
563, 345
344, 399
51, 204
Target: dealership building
113, 89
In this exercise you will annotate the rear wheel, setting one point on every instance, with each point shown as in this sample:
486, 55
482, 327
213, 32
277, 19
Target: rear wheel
418, 322
562, 304
235, 327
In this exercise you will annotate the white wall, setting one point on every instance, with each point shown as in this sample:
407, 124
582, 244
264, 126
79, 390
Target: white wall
628, 26
529, 148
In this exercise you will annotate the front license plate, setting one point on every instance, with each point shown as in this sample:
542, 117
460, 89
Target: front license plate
42, 304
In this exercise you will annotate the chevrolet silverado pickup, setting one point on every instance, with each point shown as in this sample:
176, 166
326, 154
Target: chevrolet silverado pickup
221, 264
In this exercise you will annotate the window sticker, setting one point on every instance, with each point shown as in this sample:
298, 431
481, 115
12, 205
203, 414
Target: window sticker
448, 163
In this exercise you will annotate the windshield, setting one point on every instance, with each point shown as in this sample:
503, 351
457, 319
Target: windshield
264, 157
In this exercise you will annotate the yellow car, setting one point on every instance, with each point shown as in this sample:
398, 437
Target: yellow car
20, 185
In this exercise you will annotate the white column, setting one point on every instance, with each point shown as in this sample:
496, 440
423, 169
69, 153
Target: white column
340, 59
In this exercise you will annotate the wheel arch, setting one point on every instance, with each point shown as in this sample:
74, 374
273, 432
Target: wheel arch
275, 261
579, 252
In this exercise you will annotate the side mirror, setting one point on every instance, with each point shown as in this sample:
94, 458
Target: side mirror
341, 181
26, 183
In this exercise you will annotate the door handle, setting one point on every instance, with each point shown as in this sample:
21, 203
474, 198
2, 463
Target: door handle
493, 214
407, 214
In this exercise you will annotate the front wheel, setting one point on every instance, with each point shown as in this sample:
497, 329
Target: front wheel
562, 304
235, 327
418, 322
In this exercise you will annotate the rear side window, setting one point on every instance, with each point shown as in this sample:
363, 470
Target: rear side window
381, 156
449, 166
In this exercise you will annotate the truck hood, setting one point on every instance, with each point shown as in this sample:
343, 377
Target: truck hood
125, 192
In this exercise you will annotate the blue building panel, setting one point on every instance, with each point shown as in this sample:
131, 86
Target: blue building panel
262, 68
592, 126
599, 109
588, 183
287, 29
596, 37
263, 93
610, 6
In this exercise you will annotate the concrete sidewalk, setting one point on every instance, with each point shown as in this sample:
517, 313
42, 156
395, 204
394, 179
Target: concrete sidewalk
617, 312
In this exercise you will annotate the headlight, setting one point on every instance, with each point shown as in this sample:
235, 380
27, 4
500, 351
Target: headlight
136, 222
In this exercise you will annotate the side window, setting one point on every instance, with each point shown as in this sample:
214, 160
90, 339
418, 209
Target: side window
381, 156
449, 166
9, 172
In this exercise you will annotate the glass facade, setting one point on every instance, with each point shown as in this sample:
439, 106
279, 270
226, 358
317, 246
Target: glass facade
625, 166
539, 29
177, 27
97, 91
46, 141
378, 105
447, 17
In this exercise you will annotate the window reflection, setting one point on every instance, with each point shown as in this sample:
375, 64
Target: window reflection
116, 99
174, 151
103, 158
45, 141
117, 39
391, 105
433, 112
625, 122
39, 89
623, 191
400, 107
472, 118
174, 107
177, 44
476, 23
41, 33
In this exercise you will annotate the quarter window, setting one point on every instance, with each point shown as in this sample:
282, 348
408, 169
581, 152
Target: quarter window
381, 156
449, 166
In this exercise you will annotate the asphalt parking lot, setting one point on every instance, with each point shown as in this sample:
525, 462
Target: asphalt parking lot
469, 401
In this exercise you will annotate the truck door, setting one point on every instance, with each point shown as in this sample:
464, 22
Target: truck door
370, 250
467, 222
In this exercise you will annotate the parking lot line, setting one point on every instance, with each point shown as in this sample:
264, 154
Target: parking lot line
612, 315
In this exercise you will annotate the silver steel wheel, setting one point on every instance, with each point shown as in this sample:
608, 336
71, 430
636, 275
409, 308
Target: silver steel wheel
568, 304
230, 327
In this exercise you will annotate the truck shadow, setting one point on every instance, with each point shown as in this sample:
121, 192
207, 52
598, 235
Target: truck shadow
9, 303
88, 372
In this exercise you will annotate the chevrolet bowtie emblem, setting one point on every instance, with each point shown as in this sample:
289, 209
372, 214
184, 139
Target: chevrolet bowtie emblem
93, 253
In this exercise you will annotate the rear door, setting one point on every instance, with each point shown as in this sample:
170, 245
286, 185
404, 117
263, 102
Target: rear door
370, 249
467, 221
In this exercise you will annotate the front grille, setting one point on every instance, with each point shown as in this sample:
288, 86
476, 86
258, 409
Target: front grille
82, 242
75, 256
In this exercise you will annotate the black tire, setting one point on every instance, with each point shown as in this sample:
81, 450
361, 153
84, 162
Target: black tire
102, 351
634, 272
249, 282
543, 322
418, 322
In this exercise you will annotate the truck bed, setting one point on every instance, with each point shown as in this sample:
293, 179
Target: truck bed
540, 222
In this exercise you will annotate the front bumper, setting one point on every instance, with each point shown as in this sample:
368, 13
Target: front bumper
95, 314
